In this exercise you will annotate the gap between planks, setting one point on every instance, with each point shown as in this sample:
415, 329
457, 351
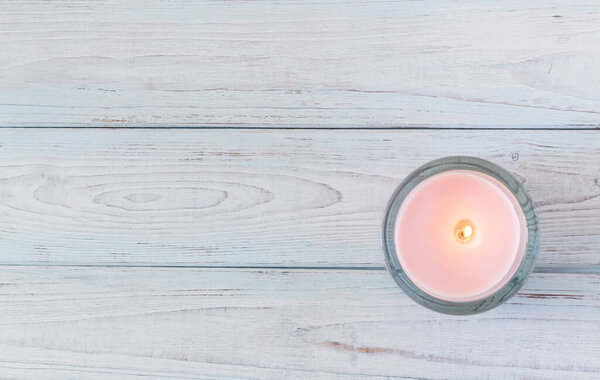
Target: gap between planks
541, 269
261, 127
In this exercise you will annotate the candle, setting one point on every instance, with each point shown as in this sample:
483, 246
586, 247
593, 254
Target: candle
460, 235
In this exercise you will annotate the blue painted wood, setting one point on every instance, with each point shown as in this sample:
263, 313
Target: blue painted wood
264, 198
339, 64
238, 253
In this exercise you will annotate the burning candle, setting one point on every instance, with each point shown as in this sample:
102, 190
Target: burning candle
460, 235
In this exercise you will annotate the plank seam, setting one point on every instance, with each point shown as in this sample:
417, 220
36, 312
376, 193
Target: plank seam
542, 269
274, 128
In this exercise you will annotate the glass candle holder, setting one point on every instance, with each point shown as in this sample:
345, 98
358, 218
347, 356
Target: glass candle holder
460, 235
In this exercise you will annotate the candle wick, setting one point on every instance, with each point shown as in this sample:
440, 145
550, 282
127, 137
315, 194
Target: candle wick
464, 231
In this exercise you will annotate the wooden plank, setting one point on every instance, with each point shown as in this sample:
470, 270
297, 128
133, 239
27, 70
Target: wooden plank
264, 197
353, 63
190, 323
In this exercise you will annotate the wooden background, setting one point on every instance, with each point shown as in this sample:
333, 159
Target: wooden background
195, 189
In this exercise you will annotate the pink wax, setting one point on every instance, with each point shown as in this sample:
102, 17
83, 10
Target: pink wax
442, 257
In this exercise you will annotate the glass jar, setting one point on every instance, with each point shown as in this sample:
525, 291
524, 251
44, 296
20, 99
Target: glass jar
503, 292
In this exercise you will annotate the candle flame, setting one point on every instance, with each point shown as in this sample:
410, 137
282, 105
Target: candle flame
468, 231
464, 231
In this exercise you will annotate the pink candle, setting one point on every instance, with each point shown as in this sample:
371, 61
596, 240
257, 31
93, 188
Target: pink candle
460, 235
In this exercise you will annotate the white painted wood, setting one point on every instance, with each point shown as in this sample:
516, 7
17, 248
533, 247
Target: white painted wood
355, 63
264, 197
218, 323
98, 209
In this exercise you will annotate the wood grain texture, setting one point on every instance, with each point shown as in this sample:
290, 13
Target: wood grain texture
253, 252
264, 197
273, 63
218, 323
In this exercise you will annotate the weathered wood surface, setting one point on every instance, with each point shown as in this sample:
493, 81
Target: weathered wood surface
355, 63
220, 323
264, 197
226, 254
